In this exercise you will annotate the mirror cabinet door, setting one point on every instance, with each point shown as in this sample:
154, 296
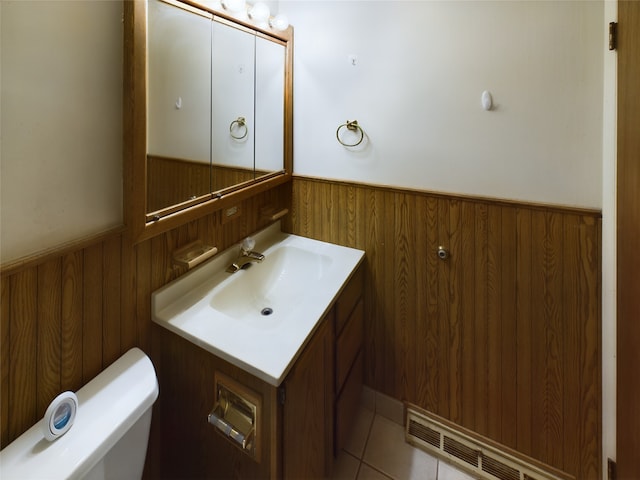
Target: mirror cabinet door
211, 95
232, 94
269, 104
179, 105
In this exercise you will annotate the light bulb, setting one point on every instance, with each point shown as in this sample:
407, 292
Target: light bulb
259, 13
234, 6
279, 22
212, 4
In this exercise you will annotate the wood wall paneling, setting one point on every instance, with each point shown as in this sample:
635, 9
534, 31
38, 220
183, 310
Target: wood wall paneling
72, 314
547, 338
481, 327
48, 342
426, 303
49, 334
68, 314
23, 351
111, 305
502, 337
525, 386
92, 300
5, 359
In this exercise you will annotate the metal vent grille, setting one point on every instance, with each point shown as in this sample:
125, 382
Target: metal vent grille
461, 451
471, 454
424, 433
499, 469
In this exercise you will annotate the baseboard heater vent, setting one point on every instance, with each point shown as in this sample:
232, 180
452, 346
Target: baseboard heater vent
468, 453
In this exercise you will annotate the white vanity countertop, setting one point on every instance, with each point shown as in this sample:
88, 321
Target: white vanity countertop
220, 312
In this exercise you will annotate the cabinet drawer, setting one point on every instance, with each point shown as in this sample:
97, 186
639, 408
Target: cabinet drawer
348, 344
349, 297
347, 405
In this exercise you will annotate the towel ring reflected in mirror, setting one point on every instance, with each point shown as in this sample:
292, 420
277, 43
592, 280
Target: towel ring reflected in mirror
353, 127
240, 126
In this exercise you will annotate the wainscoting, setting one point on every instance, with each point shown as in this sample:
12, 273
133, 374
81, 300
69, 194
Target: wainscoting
502, 337
68, 314
64, 319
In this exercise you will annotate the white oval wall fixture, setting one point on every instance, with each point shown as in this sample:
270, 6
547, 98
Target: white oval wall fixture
234, 6
487, 100
260, 13
60, 415
280, 22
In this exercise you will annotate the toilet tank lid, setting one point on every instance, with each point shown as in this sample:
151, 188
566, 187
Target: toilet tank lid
107, 407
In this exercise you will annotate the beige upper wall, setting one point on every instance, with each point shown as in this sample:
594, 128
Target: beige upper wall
416, 88
421, 68
61, 108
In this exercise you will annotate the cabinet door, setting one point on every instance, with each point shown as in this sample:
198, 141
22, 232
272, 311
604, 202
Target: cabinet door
232, 98
308, 409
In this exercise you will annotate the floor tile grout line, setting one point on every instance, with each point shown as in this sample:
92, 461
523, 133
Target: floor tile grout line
366, 442
358, 470
359, 460
375, 415
377, 469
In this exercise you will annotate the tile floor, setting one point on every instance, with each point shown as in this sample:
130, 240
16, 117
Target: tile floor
377, 450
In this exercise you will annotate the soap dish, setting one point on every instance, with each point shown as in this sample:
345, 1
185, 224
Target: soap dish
193, 254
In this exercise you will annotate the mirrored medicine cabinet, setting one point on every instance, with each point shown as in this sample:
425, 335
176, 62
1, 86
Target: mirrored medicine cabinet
208, 112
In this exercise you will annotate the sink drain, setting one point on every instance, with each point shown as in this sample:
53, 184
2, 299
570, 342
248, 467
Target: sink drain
266, 311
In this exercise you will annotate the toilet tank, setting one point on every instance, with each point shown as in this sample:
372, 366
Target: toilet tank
109, 436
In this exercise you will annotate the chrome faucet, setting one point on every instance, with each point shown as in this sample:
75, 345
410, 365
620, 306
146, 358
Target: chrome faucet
247, 256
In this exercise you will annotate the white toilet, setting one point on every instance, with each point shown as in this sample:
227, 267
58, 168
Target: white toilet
108, 439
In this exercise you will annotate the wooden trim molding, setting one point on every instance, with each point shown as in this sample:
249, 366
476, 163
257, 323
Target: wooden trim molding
41, 257
472, 198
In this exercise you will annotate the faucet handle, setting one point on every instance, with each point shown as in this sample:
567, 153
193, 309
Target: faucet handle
248, 244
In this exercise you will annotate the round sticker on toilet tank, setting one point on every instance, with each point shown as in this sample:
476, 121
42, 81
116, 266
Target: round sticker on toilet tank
60, 415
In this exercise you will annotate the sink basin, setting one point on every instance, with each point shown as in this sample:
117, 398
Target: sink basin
259, 318
266, 293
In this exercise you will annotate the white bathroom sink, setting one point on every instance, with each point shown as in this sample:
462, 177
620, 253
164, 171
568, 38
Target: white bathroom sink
261, 317
271, 288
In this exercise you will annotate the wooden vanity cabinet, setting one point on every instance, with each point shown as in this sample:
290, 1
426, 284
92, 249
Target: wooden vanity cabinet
323, 389
308, 409
349, 323
303, 422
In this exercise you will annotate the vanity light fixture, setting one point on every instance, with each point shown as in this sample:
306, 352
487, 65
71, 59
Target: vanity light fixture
259, 13
234, 6
279, 22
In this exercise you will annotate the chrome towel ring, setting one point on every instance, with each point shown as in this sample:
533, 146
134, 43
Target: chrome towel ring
239, 124
354, 127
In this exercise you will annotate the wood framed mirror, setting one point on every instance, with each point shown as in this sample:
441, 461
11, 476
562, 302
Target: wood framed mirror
186, 158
